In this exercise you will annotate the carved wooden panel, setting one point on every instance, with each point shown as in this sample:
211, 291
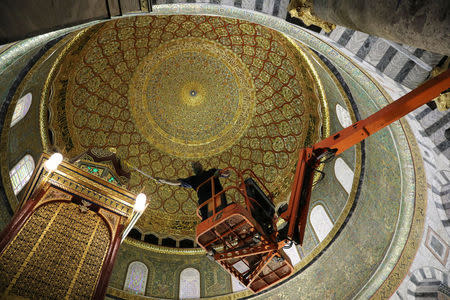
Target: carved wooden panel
58, 252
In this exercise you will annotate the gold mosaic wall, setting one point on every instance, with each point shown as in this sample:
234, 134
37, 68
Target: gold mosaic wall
58, 253
165, 90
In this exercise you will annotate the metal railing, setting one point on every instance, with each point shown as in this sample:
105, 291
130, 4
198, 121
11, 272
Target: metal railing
238, 185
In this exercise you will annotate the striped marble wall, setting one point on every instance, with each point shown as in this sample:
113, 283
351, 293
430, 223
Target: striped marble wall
430, 269
434, 124
429, 273
427, 283
276, 8
405, 64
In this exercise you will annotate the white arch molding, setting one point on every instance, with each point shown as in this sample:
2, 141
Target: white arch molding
136, 279
190, 284
21, 109
21, 173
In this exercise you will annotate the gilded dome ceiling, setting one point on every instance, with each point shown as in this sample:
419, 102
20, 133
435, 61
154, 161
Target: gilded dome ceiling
166, 90
192, 98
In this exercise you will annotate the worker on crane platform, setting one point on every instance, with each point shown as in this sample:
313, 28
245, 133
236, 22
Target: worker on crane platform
199, 179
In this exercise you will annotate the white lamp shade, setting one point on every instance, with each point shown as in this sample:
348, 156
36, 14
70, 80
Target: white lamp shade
53, 162
141, 201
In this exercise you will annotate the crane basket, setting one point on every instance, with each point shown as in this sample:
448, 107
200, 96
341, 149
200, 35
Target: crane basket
243, 239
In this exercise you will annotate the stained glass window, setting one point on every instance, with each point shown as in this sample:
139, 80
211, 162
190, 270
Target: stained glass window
21, 173
21, 109
190, 284
136, 279
320, 221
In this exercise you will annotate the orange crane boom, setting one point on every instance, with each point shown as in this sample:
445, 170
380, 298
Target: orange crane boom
309, 158
243, 236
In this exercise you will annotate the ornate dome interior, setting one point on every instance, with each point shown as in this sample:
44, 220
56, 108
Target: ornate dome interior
226, 87
167, 90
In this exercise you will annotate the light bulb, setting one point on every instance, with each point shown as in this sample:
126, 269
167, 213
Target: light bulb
141, 201
53, 162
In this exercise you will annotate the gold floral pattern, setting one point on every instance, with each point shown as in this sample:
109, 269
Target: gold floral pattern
267, 104
197, 117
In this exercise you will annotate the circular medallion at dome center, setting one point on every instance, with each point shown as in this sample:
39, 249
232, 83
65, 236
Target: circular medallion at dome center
192, 97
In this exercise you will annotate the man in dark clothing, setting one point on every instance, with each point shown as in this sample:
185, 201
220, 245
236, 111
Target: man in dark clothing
204, 193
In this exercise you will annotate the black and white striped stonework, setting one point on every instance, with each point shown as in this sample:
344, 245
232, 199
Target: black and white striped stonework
434, 124
441, 192
407, 65
276, 8
426, 283
429, 126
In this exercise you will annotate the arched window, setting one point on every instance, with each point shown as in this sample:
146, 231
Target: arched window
21, 109
186, 243
320, 221
21, 173
343, 174
168, 242
236, 285
135, 234
190, 284
292, 252
343, 116
151, 238
136, 279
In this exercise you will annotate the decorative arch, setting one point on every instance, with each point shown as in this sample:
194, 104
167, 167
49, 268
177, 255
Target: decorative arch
136, 279
426, 282
21, 109
320, 221
189, 284
21, 173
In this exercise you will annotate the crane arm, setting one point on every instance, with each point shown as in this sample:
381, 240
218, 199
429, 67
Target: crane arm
360, 130
309, 158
